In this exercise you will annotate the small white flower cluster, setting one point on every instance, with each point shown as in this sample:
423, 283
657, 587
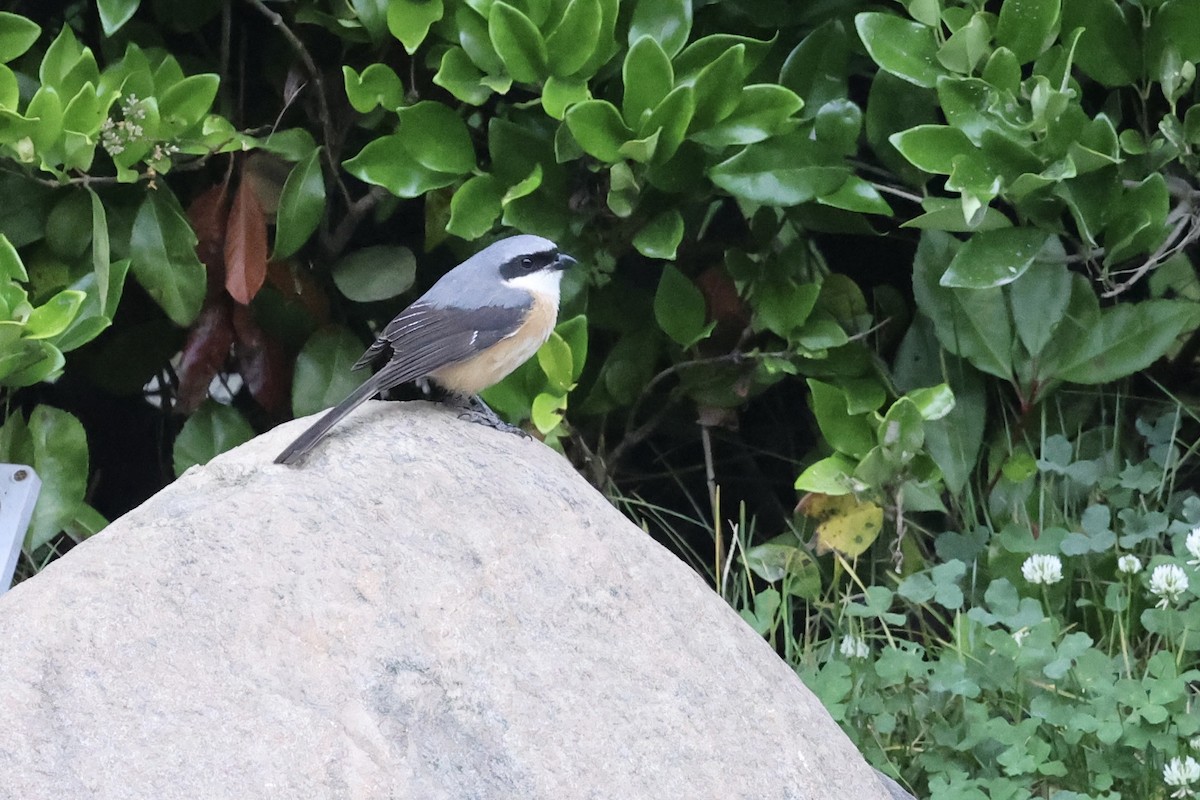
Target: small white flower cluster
116, 135
854, 647
1129, 564
1192, 543
1042, 569
1181, 773
1168, 582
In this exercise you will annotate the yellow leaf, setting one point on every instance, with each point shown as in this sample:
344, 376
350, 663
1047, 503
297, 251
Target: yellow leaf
844, 523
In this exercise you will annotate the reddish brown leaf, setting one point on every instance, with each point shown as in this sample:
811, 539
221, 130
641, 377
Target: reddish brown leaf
204, 353
207, 215
245, 246
262, 362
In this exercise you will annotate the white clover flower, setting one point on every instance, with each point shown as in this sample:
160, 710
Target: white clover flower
1181, 773
1042, 569
1193, 546
1019, 636
1194, 743
1129, 564
1168, 582
854, 647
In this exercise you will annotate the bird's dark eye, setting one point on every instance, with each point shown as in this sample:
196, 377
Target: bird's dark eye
527, 262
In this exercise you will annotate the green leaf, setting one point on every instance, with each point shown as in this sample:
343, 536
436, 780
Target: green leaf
763, 111
933, 402
1092, 346
679, 307
647, 77
963, 51
518, 42
668, 22
671, 118
718, 88
932, 148
847, 433
323, 377
52, 317
702, 53
972, 323
559, 94
475, 207
409, 20
301, 205
599, 129
386, 162
901, 433
995, 258
212, 430
546, 411
115, 13
575, 333
437, 138
162, 248
838, 125
375, 273
832, 476
1108, 50
459, 76
817, 69
17, 35
906, 49
187, 102
1039, 301
783, 171
378, 85
858, 195
660, 237
573, 41
60, 457
11, 266
1028, 27
554, 357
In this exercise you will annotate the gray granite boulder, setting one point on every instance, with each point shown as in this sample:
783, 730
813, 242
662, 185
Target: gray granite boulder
423, 609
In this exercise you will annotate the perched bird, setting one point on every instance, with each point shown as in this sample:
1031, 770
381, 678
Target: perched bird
478, 323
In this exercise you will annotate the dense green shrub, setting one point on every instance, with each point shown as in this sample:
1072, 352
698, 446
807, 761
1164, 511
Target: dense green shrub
910, 260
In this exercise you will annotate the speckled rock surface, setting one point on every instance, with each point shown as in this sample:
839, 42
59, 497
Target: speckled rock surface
425, 609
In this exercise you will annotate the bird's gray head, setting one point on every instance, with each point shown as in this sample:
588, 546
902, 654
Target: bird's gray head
526, 263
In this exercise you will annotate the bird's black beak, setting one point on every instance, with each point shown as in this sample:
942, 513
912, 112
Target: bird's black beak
563, 261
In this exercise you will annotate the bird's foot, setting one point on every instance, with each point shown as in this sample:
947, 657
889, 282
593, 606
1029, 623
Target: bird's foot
472, 409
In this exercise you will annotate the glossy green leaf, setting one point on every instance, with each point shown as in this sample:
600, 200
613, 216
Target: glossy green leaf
647, 77
375, 273
679, 307
832, 476
574, 332
437, 138
701, 53
52, 317
386, 162
524, 187
933, 402
323, 377
518, 42
718, 88
301, 204
778, 172
60, 457
115, 13
847, 433
1108, 50
573, 41
671, 118
459, 76
901, 433
546, 411
838, 125
972, 323
668, 22
816, 69
1039, 301
660, 237
599, 129
994, 258
559, 94
855, 194
906, 49
212, 430
378, 85
11, 266
969, 45
932, 148
410, 20
1094, 346
17, 34
763, 111
162, 248
1028, 27
475, 207
554, 357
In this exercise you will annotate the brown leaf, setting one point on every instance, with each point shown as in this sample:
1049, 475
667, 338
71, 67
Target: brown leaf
204, 353
262, 362
207, 214
245, 246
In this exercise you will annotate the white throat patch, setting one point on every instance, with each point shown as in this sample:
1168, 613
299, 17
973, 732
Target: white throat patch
544, 282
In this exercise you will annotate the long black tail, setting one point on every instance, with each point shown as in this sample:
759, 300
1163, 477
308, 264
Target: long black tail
307, 440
